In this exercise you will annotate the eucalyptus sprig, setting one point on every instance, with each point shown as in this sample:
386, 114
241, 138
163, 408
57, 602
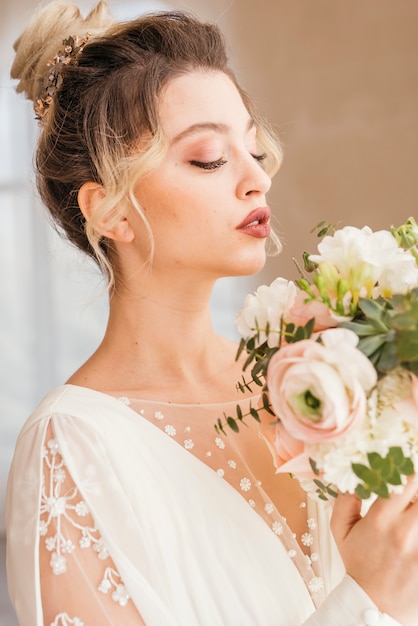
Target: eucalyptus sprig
259, 357
234, 422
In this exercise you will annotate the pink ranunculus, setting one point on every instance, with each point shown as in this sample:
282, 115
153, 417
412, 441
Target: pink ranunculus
301, 312
318, 390
285, 449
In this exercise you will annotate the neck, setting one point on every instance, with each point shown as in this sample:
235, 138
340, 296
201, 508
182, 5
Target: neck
160, 325
160, 344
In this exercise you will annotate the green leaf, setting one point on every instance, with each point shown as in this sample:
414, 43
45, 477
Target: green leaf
250, 359
241, 348
299, 334
331, 492
371, 308
396, 454
266, 404
232, 423
388, 359
250, 344
362, 329
363, 492
309, 327
368, 476
382, 490
375, 460
254, 414
314, 466
394, 478
407, 467
369, 345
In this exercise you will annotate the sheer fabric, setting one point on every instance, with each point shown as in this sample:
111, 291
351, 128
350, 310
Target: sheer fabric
138, 512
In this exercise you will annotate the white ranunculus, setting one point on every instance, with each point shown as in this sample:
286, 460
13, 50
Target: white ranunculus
265, 307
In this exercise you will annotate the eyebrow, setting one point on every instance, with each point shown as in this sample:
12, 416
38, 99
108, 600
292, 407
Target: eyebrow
201, 127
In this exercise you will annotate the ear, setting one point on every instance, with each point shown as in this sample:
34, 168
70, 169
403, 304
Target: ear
90, 197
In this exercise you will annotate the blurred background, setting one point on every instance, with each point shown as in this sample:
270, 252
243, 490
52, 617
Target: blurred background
338, 80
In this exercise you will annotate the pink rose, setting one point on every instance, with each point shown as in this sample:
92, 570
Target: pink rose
301, 312
318, 390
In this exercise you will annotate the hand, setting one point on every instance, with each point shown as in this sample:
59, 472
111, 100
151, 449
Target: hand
380, 550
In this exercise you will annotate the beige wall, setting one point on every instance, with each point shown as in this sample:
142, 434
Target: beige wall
339, 80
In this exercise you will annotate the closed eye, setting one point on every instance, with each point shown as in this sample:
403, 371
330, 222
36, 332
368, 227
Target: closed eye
214, 165
209, 165
260, 157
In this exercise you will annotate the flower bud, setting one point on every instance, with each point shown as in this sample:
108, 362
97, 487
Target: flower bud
407, 234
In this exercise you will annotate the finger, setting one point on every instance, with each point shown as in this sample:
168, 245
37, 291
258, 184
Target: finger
398, 502
346, 513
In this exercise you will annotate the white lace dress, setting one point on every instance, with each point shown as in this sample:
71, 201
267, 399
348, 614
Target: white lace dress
121, 502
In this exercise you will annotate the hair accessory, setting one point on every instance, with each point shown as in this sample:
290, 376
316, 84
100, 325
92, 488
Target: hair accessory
73, 46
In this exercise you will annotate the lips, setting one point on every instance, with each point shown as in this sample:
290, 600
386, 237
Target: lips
256, 224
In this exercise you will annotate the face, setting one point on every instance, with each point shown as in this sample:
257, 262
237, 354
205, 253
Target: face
206, 201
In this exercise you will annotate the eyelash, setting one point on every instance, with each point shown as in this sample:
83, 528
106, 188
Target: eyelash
214, 165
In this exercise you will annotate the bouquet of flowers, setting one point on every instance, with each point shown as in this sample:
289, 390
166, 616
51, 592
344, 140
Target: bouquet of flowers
336, 357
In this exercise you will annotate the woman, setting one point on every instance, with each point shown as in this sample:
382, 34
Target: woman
124, 506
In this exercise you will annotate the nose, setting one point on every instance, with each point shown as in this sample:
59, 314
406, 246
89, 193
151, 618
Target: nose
253, 179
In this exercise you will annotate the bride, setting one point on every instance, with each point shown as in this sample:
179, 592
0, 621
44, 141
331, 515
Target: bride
124, 505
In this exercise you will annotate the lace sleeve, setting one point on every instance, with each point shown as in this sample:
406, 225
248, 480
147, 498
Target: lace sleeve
80, 584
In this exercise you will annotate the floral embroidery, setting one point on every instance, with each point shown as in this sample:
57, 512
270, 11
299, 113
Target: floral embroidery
315, 584
277, 528
56, 507
217, 458
269, 508
65, 620
124, 400
110, 579
307, 539
245, 484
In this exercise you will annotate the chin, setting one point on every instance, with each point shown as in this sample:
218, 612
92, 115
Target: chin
250, 265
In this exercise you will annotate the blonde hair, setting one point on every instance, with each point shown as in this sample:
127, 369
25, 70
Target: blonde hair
106, 104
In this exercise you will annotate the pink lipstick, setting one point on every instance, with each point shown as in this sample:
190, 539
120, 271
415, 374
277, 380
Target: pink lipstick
256, 224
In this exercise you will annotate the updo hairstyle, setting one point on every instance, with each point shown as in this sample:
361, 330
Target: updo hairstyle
106, 104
